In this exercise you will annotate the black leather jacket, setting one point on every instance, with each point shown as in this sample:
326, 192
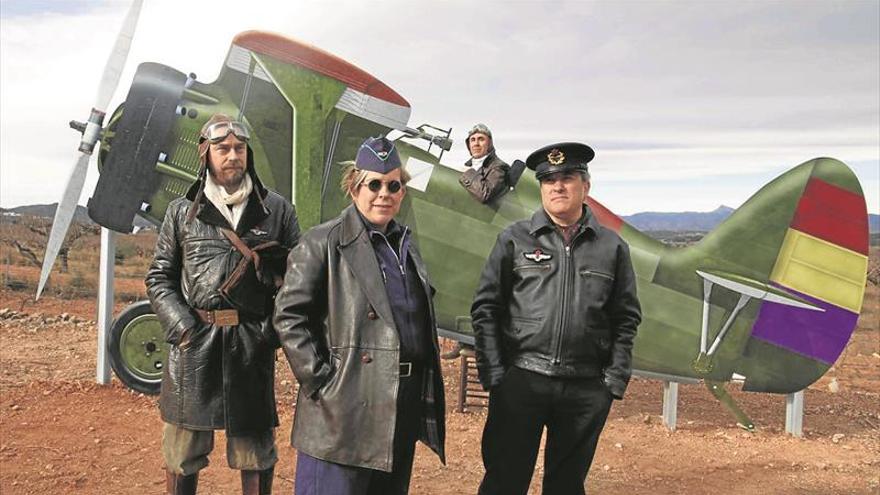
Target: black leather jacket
216, 377
337, 329
557, 310
487, 183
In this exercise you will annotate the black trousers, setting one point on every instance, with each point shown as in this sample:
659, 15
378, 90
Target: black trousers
574, 411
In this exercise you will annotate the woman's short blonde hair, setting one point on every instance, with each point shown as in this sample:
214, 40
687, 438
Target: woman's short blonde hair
352, 177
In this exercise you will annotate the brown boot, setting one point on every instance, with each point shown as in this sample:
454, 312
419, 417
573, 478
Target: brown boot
257, 482
178, 484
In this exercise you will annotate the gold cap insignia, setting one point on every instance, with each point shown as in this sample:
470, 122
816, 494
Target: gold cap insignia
556, 157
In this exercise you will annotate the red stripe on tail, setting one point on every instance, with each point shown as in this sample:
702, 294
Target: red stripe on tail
834, 215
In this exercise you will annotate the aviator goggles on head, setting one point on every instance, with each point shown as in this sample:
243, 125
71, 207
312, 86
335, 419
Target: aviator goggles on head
375, 185
218, 132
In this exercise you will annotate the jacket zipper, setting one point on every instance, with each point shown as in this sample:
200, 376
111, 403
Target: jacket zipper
566, 285
396, 256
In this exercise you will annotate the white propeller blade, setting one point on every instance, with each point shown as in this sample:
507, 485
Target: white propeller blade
63, 216
109, 80
116, 60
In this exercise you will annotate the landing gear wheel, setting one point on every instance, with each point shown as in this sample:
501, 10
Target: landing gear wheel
137, 348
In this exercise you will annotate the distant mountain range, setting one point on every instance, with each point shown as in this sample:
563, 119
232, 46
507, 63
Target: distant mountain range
685, 221
81, 215
699, 221
680, 221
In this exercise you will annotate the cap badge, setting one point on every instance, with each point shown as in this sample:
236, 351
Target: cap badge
382, 155
556, 157
537, 256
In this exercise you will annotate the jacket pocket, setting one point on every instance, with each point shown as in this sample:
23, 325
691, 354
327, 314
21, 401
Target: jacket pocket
333, 377
528, 268
597, 285
523, 329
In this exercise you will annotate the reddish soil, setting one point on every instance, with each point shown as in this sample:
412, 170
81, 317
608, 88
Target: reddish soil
62, 433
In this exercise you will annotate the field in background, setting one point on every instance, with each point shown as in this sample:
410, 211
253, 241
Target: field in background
62, 433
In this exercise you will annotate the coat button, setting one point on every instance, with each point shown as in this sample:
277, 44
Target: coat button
365, 358
372, 315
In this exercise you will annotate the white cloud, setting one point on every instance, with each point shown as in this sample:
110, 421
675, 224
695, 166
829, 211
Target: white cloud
674, 92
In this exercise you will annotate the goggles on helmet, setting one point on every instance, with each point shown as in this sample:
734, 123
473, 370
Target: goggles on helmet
218, 132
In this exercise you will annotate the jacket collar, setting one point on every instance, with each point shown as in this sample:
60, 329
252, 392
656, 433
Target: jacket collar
352, 226
356, 248
254, 212
541, 222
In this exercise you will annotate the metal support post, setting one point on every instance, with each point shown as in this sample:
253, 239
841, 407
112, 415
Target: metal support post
794, 414
105, 302
670, 404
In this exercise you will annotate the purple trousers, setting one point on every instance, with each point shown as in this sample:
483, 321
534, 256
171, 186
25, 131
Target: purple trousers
319, 477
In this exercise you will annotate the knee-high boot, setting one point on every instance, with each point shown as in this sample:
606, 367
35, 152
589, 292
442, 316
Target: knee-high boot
257, 482
179, 484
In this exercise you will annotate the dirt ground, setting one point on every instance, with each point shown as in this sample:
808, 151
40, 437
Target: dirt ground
62, 433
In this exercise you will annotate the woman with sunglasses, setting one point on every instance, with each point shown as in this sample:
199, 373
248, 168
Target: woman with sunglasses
356, 320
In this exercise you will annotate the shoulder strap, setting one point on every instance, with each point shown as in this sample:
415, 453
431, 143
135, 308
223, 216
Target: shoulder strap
239, 244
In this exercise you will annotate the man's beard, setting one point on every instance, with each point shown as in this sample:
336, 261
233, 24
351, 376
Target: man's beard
235, 180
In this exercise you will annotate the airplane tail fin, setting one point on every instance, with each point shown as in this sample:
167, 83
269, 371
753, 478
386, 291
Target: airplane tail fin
805, 236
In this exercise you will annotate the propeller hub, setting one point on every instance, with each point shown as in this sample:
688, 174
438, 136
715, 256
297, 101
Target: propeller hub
92, 131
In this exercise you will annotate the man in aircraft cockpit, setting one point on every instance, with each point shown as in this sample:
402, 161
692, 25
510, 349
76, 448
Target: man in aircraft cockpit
486, 174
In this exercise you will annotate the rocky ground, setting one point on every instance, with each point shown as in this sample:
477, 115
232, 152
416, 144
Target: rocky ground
62, 433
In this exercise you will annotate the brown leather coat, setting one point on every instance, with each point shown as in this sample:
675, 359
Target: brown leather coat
487, 183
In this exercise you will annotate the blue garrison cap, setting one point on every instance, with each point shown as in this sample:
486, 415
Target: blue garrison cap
377, 154
560, 157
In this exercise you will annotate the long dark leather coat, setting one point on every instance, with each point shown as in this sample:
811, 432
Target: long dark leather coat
557, 311
215, 377
487, 183
335, 324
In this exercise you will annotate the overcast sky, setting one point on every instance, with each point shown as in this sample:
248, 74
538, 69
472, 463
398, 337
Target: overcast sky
689, 105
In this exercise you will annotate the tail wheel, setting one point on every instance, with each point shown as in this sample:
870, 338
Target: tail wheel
137, 348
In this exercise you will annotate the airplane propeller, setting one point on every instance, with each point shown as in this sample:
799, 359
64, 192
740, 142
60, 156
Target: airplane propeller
91, 134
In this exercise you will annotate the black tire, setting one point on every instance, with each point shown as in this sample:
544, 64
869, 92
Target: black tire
137, 348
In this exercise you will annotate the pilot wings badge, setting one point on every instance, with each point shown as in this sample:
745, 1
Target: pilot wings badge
537, 256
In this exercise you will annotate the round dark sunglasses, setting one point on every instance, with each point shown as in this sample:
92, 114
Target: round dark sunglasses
393, 186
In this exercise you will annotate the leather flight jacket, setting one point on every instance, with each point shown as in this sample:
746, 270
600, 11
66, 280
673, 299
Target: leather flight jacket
220, 372
337, 329
557, 310
489, 182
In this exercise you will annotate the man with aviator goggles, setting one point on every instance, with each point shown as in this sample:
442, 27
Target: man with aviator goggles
217, 132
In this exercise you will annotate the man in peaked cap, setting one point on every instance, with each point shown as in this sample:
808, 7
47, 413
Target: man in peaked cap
356, 320
554, 315
486, 174
220, 369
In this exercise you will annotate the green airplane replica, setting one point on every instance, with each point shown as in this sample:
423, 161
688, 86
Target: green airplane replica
769, 298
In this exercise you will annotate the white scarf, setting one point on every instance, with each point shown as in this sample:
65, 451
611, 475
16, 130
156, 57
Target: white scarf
222, 200
477, 163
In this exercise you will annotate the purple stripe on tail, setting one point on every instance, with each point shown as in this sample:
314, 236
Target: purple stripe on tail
817, 335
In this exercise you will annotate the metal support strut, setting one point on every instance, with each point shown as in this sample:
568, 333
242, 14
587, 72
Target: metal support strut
105, 302
794, 414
